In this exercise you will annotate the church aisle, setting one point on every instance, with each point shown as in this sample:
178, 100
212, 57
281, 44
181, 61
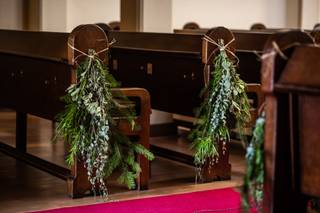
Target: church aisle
25, 188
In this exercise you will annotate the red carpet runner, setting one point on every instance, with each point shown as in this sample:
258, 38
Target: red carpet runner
221, 200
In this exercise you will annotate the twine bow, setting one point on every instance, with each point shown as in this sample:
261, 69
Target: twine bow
276, 50
220, 47
90, 54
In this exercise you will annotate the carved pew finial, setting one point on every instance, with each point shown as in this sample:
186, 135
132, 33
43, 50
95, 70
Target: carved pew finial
78, 39
258, 26
191, 26
210, 47
276, 50
281, 189
79, 44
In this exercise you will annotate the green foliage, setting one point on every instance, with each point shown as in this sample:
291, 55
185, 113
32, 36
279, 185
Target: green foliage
88, 125
224, 97
314, 205
252, 191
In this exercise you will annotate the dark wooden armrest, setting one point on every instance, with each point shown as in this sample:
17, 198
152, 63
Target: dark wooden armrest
143, 131
255, 89
143, 119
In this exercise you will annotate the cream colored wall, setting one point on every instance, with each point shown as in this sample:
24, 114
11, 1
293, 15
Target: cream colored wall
166, 15
93, 11
54, 15
237, 14
293, 13
157, 16
310, 13
11, 14
64, 15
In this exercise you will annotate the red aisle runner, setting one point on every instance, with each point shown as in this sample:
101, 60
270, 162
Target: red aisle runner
221, 200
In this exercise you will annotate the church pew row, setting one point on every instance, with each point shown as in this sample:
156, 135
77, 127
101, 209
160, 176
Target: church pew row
182, 55
170, 67
291, 84
37, 68
292, 89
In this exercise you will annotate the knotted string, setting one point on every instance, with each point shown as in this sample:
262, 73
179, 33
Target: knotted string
276, 50
220, 47
91, 54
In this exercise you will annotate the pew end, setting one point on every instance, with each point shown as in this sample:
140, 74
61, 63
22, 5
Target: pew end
291, 86
99, 42
38, 68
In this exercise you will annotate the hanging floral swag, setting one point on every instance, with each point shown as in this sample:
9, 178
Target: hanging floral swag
88, 126
224, 97
252, 190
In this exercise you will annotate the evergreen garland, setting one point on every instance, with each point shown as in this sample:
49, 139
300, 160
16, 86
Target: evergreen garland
87, 124
225, 97
314, 205
252, 191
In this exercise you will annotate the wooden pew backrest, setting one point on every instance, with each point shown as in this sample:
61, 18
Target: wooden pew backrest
39, 58
290, 116
49, 45
79, 44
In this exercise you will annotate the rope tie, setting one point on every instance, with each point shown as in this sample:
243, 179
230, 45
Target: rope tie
276, 50
91, 53
220, 47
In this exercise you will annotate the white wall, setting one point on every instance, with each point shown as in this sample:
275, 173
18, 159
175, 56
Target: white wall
310, 13
64, 15
157, 16
91, 11
11, 14
166, 15
162, 15
54, 15
236, 14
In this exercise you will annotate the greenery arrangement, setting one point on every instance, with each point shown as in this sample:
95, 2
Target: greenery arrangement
252, 191
88, 125
314, 205
224, 97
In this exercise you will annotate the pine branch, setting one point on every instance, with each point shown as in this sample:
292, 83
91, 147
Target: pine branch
87, 124
253, 181
224, 97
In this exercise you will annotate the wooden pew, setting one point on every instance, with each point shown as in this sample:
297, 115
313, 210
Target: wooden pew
170, 67
157, 62
249, 45
292, 89
37, 67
